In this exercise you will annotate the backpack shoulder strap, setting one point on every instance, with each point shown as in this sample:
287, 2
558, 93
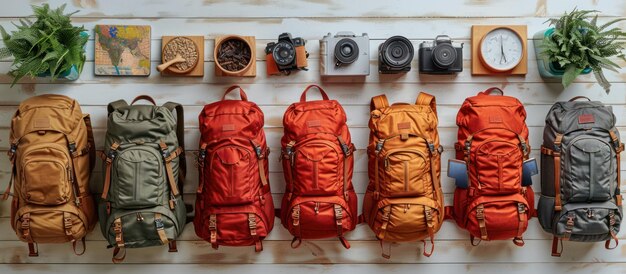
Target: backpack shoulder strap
180, 131
427, 100
115, 105
379, 102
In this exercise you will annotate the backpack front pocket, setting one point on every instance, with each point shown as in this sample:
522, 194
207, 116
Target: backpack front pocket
498, 218
591, 171
138, 178
231, 173
406, 219
44, 224
406, 172
316, 168
140, 228
47, 175
588, 222
498, 167
318, 217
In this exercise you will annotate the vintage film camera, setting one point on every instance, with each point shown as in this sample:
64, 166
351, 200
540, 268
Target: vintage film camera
441, 56
395, 55
286, 55
344, 54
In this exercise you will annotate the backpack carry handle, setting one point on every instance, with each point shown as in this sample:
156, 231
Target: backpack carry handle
303, 96
490, 91
143, 97
579, 97
242, 93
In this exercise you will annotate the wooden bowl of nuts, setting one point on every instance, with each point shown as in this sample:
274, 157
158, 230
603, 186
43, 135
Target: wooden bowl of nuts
235, 56
181, 47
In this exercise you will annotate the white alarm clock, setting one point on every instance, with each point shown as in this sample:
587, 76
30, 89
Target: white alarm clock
501, 49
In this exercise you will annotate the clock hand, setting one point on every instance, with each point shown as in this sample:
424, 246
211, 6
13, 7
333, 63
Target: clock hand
502, 50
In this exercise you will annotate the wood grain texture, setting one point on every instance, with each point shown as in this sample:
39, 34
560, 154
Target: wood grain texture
311, 19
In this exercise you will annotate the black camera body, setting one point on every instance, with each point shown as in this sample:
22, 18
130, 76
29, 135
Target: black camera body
441, 56
395, 55
286, 55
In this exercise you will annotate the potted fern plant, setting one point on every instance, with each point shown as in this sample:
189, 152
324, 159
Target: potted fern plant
576, 44
49, 47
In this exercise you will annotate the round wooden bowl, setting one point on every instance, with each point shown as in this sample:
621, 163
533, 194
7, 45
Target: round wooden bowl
216, 53
187, 53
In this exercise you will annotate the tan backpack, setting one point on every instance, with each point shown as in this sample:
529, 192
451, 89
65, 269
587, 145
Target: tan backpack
404, 201
52, 155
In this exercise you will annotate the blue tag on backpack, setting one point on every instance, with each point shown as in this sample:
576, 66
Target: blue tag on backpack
457, 169
528, 170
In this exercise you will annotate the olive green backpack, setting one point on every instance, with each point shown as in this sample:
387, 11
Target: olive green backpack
141, 203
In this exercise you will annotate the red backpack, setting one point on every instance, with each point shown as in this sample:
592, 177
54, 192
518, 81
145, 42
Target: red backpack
319, 201
234, 205
493, 143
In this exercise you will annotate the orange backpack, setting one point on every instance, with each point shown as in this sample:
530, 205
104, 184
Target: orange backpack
493, 143
404, 201
317, 157
52, 154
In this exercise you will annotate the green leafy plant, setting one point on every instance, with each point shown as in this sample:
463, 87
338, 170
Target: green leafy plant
578, 42
49, 46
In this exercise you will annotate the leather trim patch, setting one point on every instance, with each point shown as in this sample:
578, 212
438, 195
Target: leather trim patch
586, 119
313, 123
406, 125
495, 119
41, 123
228, 127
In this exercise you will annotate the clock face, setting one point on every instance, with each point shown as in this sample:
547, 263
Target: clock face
501, 49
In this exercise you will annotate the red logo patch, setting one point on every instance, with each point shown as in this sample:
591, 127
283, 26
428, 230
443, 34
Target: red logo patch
314, 123
229, 127
406, 125
495, 119
586, 119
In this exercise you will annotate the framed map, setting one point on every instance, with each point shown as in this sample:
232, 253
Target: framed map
122, 50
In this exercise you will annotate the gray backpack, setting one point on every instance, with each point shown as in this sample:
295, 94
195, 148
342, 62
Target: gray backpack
580, 195
141, 203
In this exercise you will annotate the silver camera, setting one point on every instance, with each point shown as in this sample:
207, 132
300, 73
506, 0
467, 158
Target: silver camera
345, 54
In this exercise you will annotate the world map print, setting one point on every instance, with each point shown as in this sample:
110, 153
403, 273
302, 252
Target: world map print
122, 50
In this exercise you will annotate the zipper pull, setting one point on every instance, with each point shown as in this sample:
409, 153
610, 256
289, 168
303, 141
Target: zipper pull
317, 208
386, 163
139, 217
262, 200
406, 207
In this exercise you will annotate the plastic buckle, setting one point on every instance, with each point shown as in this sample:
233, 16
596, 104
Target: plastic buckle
468, 145
212, 224
557, 148
431, 147
480, 213
166, 154
379, 146
13, 148
159, 224
524, 147
72, 147
521, 208
258, 151
112, 154
345, 149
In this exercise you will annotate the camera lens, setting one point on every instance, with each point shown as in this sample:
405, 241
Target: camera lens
397, 51
284, 53
444, 55
346, 51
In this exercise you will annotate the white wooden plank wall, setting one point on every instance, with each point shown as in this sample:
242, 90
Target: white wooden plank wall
266, 19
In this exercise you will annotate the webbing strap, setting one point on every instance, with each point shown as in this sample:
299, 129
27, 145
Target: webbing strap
67, 224
108, 160
160, 228
258, 246
430, 228
480, 216
213, 230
